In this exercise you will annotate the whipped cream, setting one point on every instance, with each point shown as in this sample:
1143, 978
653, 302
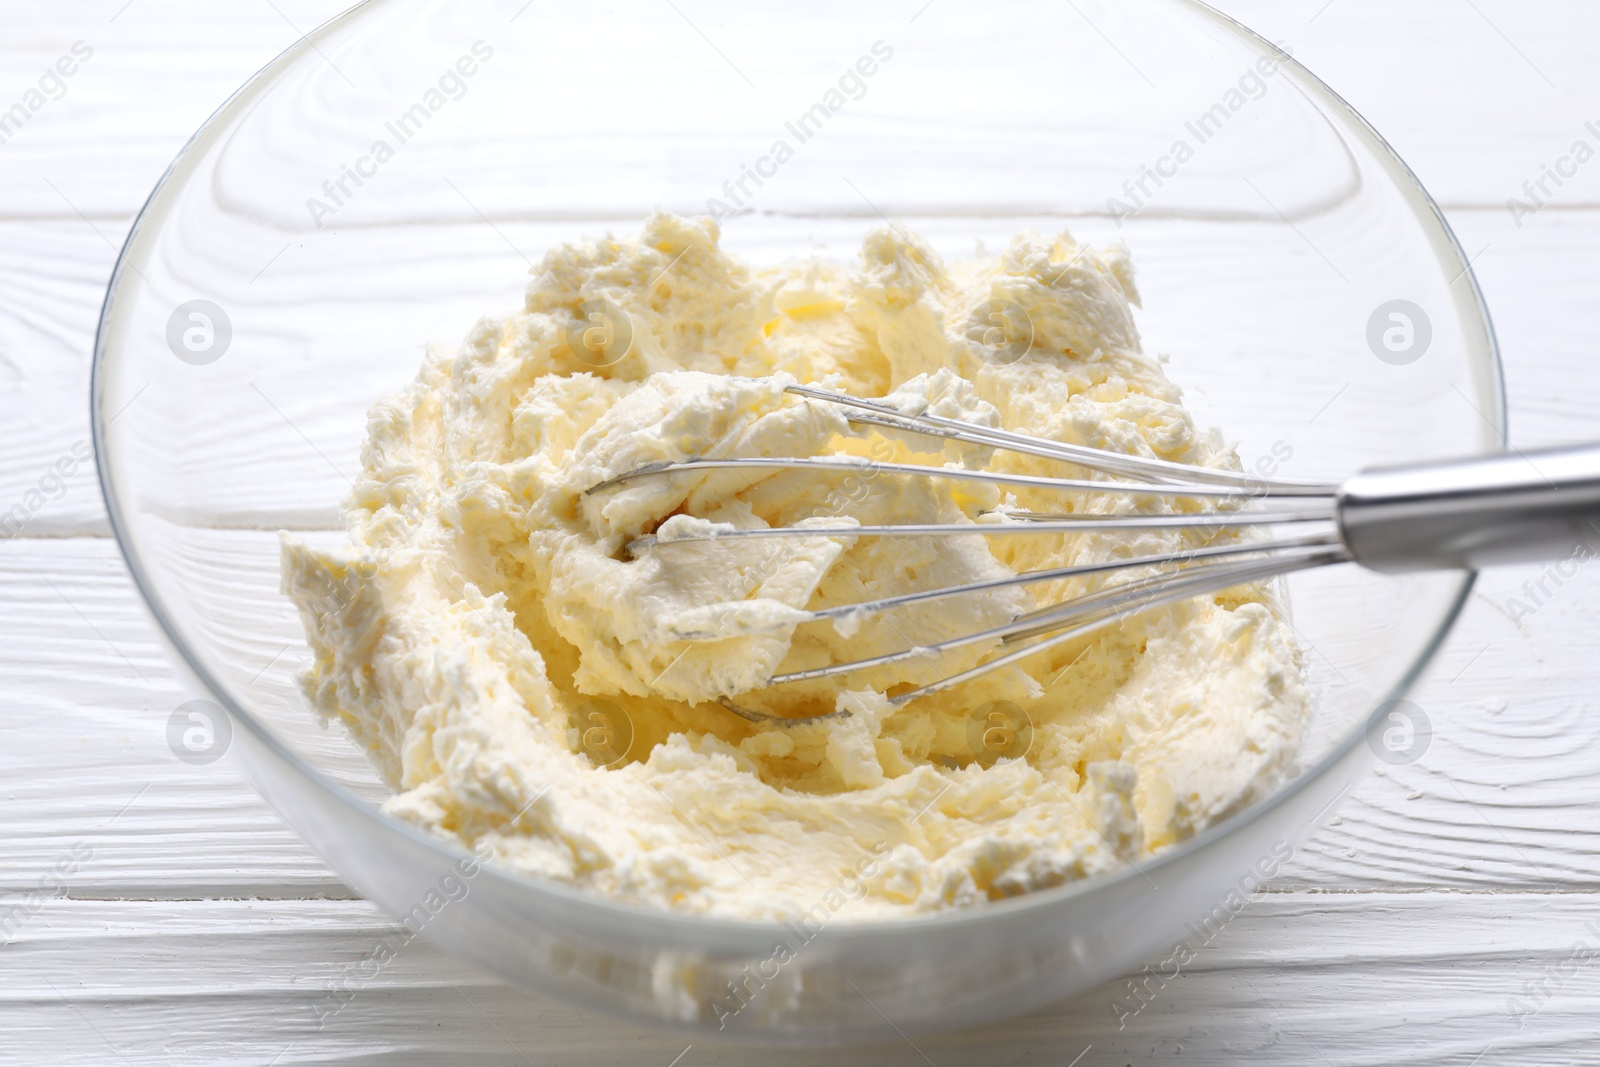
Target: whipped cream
527, 683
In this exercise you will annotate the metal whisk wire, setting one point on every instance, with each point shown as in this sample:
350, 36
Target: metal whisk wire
1085, 614
1460, 514
1185, 574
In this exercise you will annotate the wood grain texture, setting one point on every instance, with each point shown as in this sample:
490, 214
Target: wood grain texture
1539, 280
198, 929
1501, 799
1476, 97
1436, 974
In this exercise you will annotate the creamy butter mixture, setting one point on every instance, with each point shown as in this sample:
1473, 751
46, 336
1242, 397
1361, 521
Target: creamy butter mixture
526, 682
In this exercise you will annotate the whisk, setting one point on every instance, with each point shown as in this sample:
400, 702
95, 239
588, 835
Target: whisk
1461, 514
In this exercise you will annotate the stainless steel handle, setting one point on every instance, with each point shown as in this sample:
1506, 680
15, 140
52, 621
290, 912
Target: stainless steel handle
1472, 513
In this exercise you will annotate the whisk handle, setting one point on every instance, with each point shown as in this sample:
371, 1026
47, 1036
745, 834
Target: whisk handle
1520, 507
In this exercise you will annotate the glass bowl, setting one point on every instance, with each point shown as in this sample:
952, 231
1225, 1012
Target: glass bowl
287, 271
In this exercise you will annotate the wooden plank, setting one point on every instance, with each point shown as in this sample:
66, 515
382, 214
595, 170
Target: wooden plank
1500, 799
1476, 97
1547, 377
87, 698
1474, 139
1539, 280
1538, 277
158, 70
1361, 978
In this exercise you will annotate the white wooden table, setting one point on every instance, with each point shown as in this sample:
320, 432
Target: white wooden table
156, 912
